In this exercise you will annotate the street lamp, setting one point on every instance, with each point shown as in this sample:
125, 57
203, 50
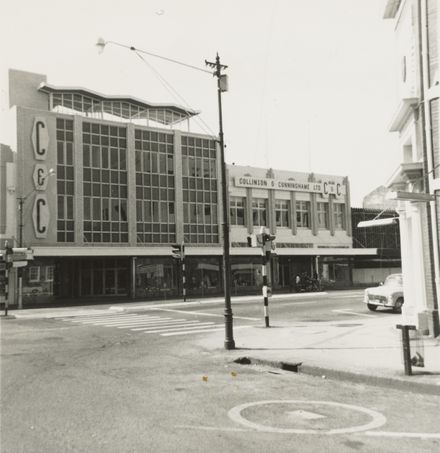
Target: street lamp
21, 201
221, 87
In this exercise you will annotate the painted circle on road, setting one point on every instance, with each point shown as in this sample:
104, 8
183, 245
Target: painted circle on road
377, 419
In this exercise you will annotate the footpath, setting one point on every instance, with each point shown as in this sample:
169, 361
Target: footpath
363, 349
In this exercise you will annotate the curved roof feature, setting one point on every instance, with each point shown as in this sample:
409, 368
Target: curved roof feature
127, 107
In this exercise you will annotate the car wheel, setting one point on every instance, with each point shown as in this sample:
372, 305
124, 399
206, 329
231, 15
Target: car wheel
398, 305
372, 307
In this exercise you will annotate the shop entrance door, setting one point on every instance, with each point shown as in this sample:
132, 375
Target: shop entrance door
106, 277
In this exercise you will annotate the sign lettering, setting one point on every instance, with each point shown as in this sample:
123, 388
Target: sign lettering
325, 188
40, 138
40, 216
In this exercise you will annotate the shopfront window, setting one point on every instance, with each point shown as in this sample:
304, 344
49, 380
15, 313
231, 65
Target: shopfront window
38, 282
156, 278
246, 274
203, 275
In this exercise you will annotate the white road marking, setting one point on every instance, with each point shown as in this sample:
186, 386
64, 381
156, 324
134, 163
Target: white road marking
414, 435
206, 314
378, 419
165, 325
193, 331
118, 321
180, 328
306, 415
348, 312
127, 321
210, 428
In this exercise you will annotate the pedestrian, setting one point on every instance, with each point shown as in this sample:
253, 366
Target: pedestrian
298, 283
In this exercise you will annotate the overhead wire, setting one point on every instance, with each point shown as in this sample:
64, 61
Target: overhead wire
175, 94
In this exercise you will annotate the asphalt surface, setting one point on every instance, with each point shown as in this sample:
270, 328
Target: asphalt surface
68, 385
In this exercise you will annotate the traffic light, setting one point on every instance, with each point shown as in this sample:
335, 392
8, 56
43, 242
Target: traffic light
268, 244
266, 237
178, 251
252, 240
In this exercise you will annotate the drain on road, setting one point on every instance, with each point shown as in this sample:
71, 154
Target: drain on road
287, 366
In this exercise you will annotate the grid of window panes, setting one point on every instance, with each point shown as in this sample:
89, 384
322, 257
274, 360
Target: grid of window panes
303, 214
434, 111
338, 216
322, 213
155, 189
65, 180
199, 179
282, 213
259, 212
105, 183
237, 210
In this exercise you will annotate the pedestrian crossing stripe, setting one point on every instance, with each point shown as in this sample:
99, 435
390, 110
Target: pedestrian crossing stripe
148, 324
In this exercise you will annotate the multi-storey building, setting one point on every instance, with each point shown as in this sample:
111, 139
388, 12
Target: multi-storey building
108, 183
417, 180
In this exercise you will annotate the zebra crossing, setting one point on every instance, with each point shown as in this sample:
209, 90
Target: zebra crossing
164, 326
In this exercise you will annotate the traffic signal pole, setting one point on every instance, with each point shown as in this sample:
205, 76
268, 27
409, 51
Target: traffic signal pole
265, 298
8, 252
183, 274
178, 253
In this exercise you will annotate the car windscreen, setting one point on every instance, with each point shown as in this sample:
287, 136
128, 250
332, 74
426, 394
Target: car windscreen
394, 280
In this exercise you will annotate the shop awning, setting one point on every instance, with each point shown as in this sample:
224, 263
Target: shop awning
66, 252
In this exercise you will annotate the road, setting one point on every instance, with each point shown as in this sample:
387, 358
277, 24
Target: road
80, 385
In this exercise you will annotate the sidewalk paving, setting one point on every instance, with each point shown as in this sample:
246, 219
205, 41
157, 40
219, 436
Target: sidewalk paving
362, 349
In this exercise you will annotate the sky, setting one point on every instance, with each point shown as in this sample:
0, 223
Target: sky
312, 84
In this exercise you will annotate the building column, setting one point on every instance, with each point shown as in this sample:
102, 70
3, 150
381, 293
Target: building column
331, 215
78, 180
248, 213
133, 277
348, 226
178, 186
131, 186
313, 209
271, 221
412, 264
293, 213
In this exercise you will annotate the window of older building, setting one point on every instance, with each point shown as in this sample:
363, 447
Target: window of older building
322, 213
237, 210
259, 212
282, 213
303, 214
339, 216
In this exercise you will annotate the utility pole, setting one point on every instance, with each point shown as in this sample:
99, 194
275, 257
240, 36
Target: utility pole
222, 85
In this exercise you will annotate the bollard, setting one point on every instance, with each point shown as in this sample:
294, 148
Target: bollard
406, 347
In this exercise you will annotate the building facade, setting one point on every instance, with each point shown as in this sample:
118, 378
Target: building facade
108, 183
371, 270
417, 179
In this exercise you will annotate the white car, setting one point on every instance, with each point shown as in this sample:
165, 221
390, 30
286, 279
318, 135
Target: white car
387, 295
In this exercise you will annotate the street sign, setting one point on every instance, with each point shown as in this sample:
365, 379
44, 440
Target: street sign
19, 263
22, 254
